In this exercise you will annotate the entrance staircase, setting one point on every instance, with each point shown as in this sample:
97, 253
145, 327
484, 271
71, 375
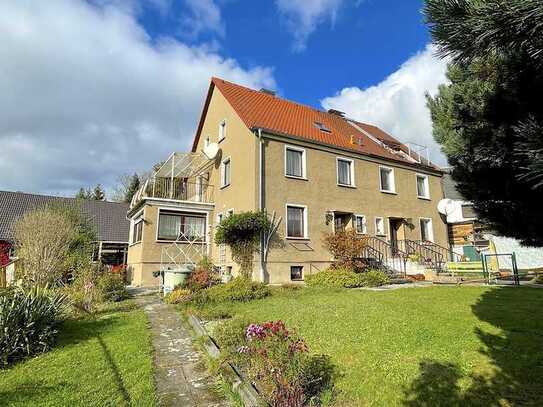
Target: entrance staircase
380, 254
407, 256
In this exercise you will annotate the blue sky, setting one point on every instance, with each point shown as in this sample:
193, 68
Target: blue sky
367, 41
101, 88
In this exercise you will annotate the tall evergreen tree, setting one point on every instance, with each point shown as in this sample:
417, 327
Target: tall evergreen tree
133, 187
489, 118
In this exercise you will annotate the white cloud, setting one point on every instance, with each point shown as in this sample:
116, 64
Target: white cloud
87, 96
205, 16
303, 16
398, 103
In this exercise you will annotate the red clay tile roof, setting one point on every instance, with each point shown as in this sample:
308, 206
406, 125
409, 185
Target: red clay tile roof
280, 116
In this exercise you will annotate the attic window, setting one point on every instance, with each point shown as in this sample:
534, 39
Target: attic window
322, 127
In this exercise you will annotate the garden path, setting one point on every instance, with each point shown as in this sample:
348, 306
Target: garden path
180, 374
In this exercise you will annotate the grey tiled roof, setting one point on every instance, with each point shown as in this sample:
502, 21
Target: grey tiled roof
108, 218
449, 188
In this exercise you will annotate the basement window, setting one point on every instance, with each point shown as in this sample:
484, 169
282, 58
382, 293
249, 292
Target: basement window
296, 273
322, 127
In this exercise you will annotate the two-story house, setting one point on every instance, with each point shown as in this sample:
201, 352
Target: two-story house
319, 171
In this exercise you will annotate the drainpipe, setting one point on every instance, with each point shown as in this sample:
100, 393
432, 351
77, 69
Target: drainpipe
261, 200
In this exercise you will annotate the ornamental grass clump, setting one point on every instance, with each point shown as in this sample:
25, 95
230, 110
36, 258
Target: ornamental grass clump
29, 319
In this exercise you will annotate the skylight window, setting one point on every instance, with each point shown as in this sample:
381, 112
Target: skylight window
322, 127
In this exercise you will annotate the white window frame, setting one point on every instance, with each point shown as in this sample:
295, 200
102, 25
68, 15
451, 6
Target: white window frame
426, 185
207, 141
220, 217
230, 212
351, 162
364, 224
384, 226
392, 183
170, 209
431, 231
305, 217
304, 171
137, 218
222, 174
222, 130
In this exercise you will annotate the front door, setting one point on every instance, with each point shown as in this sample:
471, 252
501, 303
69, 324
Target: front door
395, 230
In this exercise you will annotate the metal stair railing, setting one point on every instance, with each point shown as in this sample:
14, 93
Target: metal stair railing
389, 258
427, 255
447, 253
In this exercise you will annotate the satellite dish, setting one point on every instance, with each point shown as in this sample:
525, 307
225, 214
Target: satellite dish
445, 206
211, 150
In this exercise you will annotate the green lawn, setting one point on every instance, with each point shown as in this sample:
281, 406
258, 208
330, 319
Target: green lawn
102, 362
438, 346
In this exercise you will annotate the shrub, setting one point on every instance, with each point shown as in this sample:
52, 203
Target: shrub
241, 232
346, 247
374, 278
203, 277
83, 291
333, 278
111, 287
28, 321
53, 242
239, 289
178, 296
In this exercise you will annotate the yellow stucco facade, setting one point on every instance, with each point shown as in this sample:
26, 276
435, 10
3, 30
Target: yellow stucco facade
319, 193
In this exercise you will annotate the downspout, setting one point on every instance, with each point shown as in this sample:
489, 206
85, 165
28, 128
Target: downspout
261, 201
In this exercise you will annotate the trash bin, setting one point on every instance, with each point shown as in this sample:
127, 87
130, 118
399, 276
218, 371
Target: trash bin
174, 277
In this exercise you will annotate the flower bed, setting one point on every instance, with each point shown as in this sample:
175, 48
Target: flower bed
277, 360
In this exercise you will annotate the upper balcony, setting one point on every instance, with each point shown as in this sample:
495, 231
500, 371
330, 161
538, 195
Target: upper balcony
183, 177
179, 189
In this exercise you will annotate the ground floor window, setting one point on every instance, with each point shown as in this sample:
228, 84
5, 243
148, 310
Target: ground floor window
380, 226
296, 273
426, 232
181, 226
296, 221
361, 224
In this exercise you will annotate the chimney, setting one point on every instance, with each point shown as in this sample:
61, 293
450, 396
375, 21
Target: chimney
268, 91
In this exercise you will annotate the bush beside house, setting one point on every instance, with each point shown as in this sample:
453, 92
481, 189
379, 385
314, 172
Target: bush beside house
29, 320
346, 278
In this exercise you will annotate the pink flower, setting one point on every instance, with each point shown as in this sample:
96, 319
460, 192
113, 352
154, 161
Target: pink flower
255, 331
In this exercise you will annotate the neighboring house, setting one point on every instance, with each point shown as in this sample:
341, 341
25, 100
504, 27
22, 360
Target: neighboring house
471, 238
465, 231
108, 219
319, 171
